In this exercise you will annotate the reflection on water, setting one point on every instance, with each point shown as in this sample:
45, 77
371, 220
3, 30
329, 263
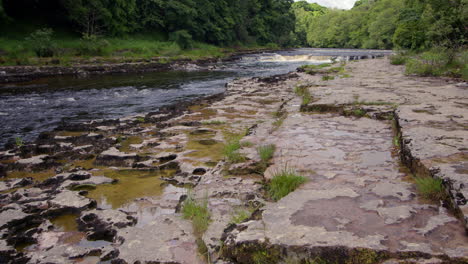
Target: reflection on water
30, 108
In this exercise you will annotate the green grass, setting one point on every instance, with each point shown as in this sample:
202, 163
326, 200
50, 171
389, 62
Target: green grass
328, 78
283, 182
70, 49
266, 152
304, 92
439, 62
198, 213
214, 122
231, 149
430, 188
398, 59
240, 215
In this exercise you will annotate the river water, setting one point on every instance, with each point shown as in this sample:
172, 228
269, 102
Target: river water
27, 109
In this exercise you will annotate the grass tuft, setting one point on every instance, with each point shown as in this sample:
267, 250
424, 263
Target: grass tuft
198, 213
328, 78
430, 188
240, 216
266, 152
213, 122
231, 149
284, 181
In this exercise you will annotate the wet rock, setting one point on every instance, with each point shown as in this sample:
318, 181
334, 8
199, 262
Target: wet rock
79, 176
82, 184
12, 216
36, 160
2, 171
103, 224
113, 157
70, 201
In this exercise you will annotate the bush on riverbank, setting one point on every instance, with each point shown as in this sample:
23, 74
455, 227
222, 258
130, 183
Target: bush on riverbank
434, 62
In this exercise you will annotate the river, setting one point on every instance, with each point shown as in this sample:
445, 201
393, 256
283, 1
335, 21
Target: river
27, 109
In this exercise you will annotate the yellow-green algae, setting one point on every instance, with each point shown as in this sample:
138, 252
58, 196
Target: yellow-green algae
66, 222
131, 184
38, 176
70, 134
133, 140
213, 152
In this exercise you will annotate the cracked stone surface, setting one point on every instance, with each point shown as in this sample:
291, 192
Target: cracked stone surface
356, 195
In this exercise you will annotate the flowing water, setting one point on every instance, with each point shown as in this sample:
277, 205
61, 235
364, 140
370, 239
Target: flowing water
27, 109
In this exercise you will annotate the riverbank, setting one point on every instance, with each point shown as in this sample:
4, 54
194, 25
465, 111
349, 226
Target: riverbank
116, 65
357, 132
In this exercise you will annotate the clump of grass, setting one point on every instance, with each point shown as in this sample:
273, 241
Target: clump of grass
266, 152
198, 213
340, 69
305, 93
246, 144
19, 142
398, 59
140, 119
328, 78
430, 188
213, 122
283, 182
231, 149
240, 216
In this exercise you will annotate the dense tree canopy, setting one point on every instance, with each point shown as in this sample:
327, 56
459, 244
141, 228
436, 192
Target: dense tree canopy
212, 21
385, 24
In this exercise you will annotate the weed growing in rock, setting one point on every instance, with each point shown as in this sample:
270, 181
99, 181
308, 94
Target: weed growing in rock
231, 149
246, 144
198, 213
19, 142
328, 78
140, 119
213, 122
240, 216
266, 152
284, 181
430, 188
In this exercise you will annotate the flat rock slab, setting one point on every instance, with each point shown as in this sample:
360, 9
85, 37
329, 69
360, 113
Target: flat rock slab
355, 196
70, 200
431, 112
168, 239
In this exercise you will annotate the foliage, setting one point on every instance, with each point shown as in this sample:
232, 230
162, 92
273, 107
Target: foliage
197, 212
283, 182
217, 22
430, 188
182, 38
92, 45
385, 24
398, 59
19, 142
266, 152
41, 42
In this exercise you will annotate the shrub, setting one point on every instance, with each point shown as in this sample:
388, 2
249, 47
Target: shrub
182, 38
398, 59
198, 213
92, 46
41, 42
266, 152
430, 188
284, 181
